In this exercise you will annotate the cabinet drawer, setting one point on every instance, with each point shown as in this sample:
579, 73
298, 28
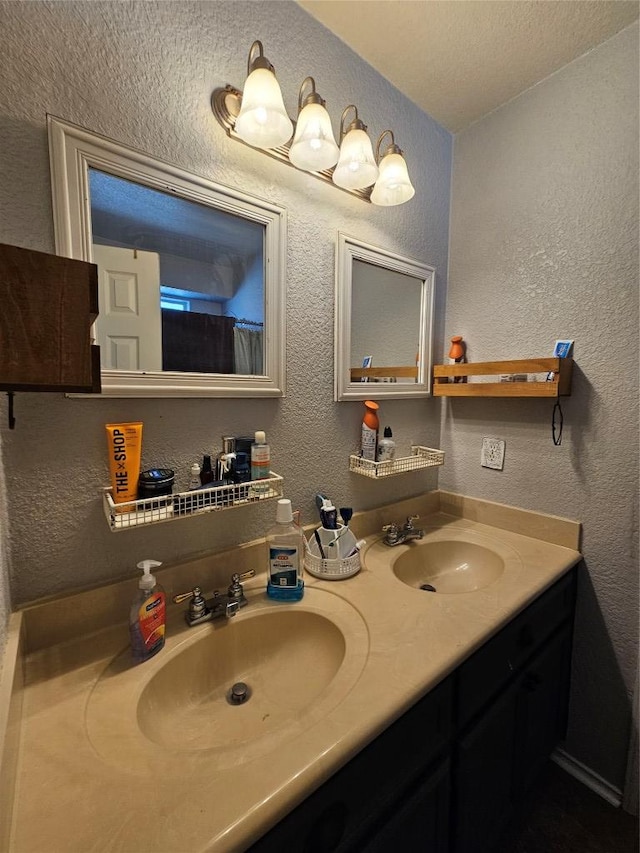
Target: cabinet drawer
354, 797
493, 665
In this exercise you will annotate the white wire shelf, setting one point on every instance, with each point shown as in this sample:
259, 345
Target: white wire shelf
421, 457
124, 516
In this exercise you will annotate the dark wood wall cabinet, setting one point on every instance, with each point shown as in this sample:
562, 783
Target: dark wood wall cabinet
451, 772
48, 306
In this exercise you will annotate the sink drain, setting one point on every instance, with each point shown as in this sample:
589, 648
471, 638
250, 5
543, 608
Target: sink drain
427, 587
238, 693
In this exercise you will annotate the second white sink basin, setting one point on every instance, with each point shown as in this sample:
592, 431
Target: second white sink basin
448, 566
450, 559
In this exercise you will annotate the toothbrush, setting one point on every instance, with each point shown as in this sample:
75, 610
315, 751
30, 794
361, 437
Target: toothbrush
319, 543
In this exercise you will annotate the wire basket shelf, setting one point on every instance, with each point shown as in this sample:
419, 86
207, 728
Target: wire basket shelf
421, 457
124, 516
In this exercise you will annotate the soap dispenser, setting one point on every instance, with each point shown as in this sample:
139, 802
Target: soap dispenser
147, 615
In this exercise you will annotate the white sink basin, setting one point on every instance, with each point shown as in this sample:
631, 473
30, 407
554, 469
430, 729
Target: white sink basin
298, 660
448, 566
448, 560
287, 658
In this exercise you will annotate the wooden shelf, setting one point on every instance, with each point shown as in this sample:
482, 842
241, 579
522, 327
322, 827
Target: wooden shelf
383, 372
560, 385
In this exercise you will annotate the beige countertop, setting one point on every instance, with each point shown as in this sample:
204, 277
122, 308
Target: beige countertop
87, 781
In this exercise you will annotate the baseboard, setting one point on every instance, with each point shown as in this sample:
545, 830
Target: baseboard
588, 777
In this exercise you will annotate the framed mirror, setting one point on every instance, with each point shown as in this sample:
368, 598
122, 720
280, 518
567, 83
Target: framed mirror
383, 323
191, 273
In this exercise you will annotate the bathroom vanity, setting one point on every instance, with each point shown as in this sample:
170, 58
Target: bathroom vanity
382, 716
449, 774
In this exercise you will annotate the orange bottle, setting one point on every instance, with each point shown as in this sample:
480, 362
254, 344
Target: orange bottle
370, 425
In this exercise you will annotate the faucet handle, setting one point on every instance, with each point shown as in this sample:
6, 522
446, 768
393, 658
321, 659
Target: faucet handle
410, 520
393, 533
197, 605
194, 593
235, 591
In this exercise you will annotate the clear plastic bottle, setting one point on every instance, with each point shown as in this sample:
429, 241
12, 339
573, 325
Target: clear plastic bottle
285, 556
147, 615
260, 457
260, 463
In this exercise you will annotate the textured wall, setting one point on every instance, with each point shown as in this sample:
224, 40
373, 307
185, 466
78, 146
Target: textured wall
142, 73
544, 245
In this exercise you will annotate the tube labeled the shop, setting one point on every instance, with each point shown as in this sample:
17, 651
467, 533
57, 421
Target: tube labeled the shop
125, 448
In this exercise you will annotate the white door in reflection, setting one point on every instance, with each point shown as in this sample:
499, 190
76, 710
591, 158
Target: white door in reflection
129, 331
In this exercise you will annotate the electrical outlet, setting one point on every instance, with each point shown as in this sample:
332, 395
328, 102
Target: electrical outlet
492, 455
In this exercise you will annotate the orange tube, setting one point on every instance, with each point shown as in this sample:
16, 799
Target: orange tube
125, 448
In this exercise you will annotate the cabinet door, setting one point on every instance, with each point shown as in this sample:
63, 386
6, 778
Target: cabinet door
541, 709
420, 820
483, 776
48, 305
339, 814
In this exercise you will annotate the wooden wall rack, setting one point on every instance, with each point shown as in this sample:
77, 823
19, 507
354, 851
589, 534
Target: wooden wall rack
560, 385
384, 372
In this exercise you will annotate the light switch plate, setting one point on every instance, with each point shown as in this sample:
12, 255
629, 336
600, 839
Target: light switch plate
492, 455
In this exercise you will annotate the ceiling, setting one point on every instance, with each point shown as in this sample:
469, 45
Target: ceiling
460, 59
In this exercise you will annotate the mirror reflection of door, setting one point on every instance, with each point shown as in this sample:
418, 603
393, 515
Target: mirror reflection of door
129, 331
385, 323
182, 283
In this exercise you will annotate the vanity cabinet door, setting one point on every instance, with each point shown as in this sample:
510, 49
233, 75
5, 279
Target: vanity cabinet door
341, 816
483, 777
501, 755
419, 822
541, 710
494, 665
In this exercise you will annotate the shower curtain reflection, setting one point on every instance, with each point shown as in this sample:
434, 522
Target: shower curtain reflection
248, 351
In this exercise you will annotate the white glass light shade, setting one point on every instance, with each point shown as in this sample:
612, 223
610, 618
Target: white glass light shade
356, 167
393, 186
263, 120
314, 147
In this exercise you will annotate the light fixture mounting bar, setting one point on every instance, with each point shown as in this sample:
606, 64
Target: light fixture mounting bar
225, 104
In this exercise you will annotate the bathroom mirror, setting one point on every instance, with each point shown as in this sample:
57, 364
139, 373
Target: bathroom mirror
383, 323
191, 273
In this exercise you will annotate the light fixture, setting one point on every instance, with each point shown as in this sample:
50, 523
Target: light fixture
356, 166
263, 120
314, 147
393, 185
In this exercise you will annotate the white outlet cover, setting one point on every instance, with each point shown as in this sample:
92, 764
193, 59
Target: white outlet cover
492, 455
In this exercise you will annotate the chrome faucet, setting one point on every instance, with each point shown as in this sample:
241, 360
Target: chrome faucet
226, 605
397, 536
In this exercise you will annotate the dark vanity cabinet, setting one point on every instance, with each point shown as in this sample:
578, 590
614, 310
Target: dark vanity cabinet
394, 792
511, 710
449, 774
48, 306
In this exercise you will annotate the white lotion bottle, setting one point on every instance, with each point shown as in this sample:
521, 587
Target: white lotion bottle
386, 446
